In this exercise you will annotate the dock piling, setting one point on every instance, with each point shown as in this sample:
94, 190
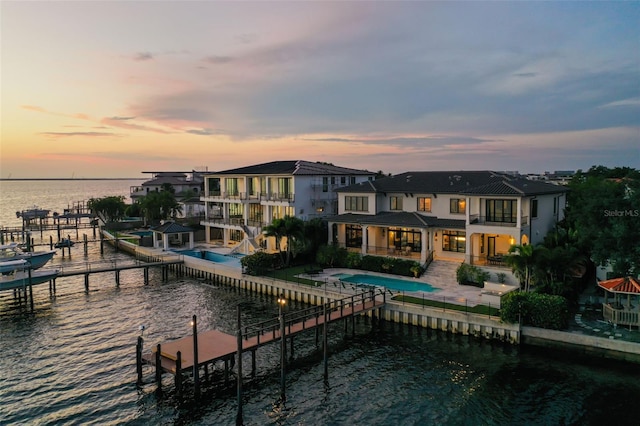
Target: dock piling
139, 359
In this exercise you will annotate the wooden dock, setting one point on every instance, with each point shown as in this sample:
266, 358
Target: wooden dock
177, 357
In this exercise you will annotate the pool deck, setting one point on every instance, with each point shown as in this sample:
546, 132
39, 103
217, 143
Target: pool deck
440, 274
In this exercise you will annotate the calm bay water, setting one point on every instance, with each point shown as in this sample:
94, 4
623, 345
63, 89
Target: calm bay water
72, 361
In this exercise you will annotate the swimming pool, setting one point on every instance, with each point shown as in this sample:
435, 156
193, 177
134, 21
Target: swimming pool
390, 283
230, 260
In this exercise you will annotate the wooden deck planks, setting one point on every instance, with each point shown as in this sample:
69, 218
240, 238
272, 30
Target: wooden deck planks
214, 345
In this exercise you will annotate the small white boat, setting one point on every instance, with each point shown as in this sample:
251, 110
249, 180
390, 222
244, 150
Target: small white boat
21, 278
33, 213
37, 259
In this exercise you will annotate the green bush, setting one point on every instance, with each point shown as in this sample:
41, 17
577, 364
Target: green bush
373, 263
536, 310
331, 256
471, 275
354, 260
260, 263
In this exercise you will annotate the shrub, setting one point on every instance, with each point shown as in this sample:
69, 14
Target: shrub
331, 256
471, 275
535, 309
373, 263
502, 277
354, 260
260, 262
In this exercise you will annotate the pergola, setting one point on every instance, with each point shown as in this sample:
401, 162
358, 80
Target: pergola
624, 309
171, 233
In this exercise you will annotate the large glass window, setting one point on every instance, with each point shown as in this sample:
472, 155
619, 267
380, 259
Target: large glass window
325, 184
454, 241
424, 204
502, 211
353, 236
356, 204
396, 203
235, 210
231, 187
405, 239
458, 205
284, 187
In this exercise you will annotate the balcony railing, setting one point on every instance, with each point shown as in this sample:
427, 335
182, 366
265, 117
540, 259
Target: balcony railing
497, 260
236, 195
475, 219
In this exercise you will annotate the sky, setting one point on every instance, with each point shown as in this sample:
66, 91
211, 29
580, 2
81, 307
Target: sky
117, 88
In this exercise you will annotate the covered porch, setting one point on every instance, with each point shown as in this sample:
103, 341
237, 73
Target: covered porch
491, 249
621, 305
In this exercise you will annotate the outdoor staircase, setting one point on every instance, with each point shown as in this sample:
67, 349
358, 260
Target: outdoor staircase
441, 271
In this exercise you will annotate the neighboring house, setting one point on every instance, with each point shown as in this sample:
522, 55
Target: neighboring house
184, 184
240, 202
471, 216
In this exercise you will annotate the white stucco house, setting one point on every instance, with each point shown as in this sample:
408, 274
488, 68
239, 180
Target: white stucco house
240, 202
470, 216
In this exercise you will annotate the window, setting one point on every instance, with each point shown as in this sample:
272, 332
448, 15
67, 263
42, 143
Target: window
333, 180
424, 204
356, 204
396, 203
352, 180
231, 186
236, 210
458, 205
555, 205
325, 184
405, 239
284, 188
343, 180
454, 241
534, 208
353, 236
502, 211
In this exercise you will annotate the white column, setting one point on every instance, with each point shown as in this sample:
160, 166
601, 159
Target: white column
425, 245
364, 239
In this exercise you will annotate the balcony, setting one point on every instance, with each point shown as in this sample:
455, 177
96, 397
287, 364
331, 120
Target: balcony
475, 219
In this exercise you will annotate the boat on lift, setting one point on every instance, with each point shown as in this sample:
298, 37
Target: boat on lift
33, 213
64, 243
21, 276
36, 259
11, 265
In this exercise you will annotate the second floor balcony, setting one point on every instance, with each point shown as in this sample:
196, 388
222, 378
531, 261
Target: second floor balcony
475, 219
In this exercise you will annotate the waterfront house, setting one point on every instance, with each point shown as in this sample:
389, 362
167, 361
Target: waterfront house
240, 202
470, 216
187, 186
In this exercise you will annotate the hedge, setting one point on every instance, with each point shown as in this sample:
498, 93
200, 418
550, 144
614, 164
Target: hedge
536, 309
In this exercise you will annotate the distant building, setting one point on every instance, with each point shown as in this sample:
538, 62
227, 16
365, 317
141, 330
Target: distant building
187, 186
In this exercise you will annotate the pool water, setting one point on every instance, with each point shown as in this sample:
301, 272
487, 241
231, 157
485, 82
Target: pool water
233, 260
390, 283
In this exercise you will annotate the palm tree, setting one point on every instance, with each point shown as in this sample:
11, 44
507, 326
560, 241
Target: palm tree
289, 228
522, 260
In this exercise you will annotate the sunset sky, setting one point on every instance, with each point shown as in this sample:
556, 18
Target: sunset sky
111, 89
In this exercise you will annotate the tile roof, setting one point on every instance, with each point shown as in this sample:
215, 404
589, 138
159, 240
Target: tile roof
170, 227
484, 182
415, 220
629, 285
294, 167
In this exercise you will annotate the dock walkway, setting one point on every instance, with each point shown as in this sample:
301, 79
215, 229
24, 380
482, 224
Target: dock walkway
214, 345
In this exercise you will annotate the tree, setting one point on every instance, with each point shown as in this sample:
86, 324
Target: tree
522, 260
159, 205
110, 208
604, 210
289, 228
